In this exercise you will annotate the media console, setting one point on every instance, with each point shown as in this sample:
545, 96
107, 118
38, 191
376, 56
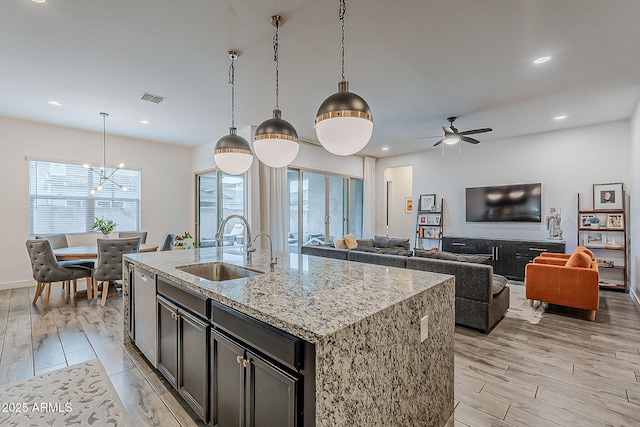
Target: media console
509, 256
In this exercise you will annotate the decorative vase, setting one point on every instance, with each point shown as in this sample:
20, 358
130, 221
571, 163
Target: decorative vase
105, 236
595, 225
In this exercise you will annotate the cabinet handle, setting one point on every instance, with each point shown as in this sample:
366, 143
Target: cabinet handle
496, 256
538, 249
239, 359
458, 244
246, 363
174, 316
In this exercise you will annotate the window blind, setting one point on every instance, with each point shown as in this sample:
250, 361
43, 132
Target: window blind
60, 199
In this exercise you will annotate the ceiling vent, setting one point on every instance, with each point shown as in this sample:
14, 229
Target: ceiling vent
156, 99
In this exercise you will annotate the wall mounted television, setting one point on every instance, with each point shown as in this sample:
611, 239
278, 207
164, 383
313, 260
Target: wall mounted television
504, 203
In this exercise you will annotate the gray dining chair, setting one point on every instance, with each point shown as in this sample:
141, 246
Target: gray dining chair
168, 242
47, 270
109, 268
141, 234
60, 241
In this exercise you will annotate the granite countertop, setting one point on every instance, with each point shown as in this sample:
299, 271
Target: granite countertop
307, 296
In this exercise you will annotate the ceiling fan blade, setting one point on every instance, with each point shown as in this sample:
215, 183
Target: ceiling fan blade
438, 143
427, 137
469, 140
448, 129
471, 132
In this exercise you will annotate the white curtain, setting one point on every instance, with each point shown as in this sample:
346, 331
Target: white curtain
369, 198
274, 206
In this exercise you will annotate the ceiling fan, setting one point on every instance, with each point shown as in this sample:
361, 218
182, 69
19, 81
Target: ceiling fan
453, 135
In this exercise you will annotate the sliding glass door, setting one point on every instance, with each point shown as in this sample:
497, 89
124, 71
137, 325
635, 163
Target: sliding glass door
219, 195
322, 208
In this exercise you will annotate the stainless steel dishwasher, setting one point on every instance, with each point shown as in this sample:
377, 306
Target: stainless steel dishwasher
144, 290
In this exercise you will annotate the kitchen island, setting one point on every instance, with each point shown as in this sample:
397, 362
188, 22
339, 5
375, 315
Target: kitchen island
370, 345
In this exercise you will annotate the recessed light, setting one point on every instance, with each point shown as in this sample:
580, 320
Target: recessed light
560, 117
144, 122
39, 1
542, 60
54, 103
385, 148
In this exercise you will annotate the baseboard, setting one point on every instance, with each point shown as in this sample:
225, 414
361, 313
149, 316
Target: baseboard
20, 284
635, 299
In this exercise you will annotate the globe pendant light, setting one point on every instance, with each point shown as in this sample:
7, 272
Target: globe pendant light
276, 140
344, 123
232, 152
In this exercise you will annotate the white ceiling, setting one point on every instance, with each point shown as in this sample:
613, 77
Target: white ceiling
415, 62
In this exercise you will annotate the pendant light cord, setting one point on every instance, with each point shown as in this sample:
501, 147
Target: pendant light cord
232, 80
104, 143
341, 12
276, 60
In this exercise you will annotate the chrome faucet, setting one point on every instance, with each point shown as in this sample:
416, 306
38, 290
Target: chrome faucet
272, 261
250, 249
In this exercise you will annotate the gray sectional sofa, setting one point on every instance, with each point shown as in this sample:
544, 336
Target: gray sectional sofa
482, 298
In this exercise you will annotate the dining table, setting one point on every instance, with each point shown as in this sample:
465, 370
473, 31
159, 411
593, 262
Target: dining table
90, 252
71, 253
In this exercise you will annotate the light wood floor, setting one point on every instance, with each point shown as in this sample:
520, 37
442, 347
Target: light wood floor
563, 371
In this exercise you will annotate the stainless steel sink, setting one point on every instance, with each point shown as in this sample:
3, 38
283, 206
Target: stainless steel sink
218, 271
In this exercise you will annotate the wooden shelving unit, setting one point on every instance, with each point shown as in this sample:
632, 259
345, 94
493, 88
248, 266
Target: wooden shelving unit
430, 228
609, 244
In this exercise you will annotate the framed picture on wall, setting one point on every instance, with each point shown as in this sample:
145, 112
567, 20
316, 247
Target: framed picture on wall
427, 202
607, 196
408, 204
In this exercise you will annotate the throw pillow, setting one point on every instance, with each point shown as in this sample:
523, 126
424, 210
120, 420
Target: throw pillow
422, 253
350, 241
340, 244
476, 259
579, 259
586, 251
390, 242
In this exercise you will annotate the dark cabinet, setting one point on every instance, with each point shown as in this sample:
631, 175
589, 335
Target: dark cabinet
232, 369
183, 348
249, 390
509, 256
168, 340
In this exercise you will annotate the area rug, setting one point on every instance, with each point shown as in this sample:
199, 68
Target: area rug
78, 395
519, 306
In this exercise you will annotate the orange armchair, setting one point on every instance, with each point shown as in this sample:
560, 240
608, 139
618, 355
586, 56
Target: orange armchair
554, 279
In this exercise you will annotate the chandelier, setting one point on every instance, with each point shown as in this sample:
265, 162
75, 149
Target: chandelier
102, 171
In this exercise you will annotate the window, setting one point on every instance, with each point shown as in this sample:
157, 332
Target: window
60, 202
219, 189
322, 207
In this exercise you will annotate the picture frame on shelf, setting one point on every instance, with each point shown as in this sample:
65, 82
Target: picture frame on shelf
422, 219
594, 239
585, 220
427, 202
408, 204
608, 196
615, 221
430, 233
436, 219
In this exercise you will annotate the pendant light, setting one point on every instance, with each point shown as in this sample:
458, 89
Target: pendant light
344, 123
232, 152
102, 171
276, 140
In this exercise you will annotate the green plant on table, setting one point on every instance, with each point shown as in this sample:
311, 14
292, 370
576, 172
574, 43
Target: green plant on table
105, 226
186, 240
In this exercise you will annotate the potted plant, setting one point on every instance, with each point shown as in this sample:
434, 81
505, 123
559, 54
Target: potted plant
185, 241
595, 222
105, 226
